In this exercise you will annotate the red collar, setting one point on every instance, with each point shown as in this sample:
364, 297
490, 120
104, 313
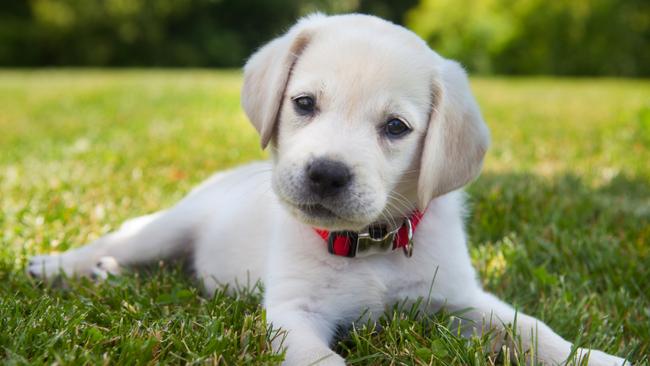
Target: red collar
373, 240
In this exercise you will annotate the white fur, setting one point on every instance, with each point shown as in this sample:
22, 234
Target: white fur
244, 225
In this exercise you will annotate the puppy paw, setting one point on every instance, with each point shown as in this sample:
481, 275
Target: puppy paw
48, 267
332, 359
329, 359
599, 358
105, 266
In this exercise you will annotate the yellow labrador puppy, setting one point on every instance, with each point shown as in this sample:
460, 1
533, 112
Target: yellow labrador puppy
372, 135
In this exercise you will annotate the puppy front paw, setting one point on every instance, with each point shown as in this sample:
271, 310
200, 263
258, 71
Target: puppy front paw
329, 359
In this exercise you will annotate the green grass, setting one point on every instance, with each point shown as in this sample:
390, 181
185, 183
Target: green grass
560, 222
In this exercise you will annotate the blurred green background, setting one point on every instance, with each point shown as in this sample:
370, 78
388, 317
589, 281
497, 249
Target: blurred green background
561, 37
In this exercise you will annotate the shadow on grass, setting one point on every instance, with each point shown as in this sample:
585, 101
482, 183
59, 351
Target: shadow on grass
502, 203
572, 253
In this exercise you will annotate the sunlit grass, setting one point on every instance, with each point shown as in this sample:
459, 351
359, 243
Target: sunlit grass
560, 221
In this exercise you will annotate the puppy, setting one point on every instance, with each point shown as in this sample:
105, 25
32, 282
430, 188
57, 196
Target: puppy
372, 134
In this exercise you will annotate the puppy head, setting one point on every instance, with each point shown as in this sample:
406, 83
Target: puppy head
365, 122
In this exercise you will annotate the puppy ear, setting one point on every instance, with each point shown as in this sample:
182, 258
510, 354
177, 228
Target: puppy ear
456, 140
266, 75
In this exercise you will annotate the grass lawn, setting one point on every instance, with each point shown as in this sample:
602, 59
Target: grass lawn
560, 222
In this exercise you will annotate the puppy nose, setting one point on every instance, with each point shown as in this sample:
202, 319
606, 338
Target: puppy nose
327, 177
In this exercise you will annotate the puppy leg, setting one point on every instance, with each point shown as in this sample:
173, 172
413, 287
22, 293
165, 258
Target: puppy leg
139, 240
307, 336
487, 311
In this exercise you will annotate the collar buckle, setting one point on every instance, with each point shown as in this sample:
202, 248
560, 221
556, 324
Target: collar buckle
366, 245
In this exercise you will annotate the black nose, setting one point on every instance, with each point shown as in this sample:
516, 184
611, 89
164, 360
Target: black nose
327, 177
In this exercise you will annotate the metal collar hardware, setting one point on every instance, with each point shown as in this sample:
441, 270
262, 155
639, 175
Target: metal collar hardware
362, 244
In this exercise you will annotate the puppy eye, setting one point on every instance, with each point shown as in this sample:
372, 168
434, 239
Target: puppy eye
304, 104
396, 128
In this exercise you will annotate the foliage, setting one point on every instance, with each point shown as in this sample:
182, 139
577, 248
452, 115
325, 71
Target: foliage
564, 37
155, 32
559, 220
568, 37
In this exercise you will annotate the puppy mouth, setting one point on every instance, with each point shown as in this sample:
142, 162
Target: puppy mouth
317, 211
319, 215
329, 215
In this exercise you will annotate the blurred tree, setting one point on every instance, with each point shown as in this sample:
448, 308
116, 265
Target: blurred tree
567, 37
139, 32
155, 32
